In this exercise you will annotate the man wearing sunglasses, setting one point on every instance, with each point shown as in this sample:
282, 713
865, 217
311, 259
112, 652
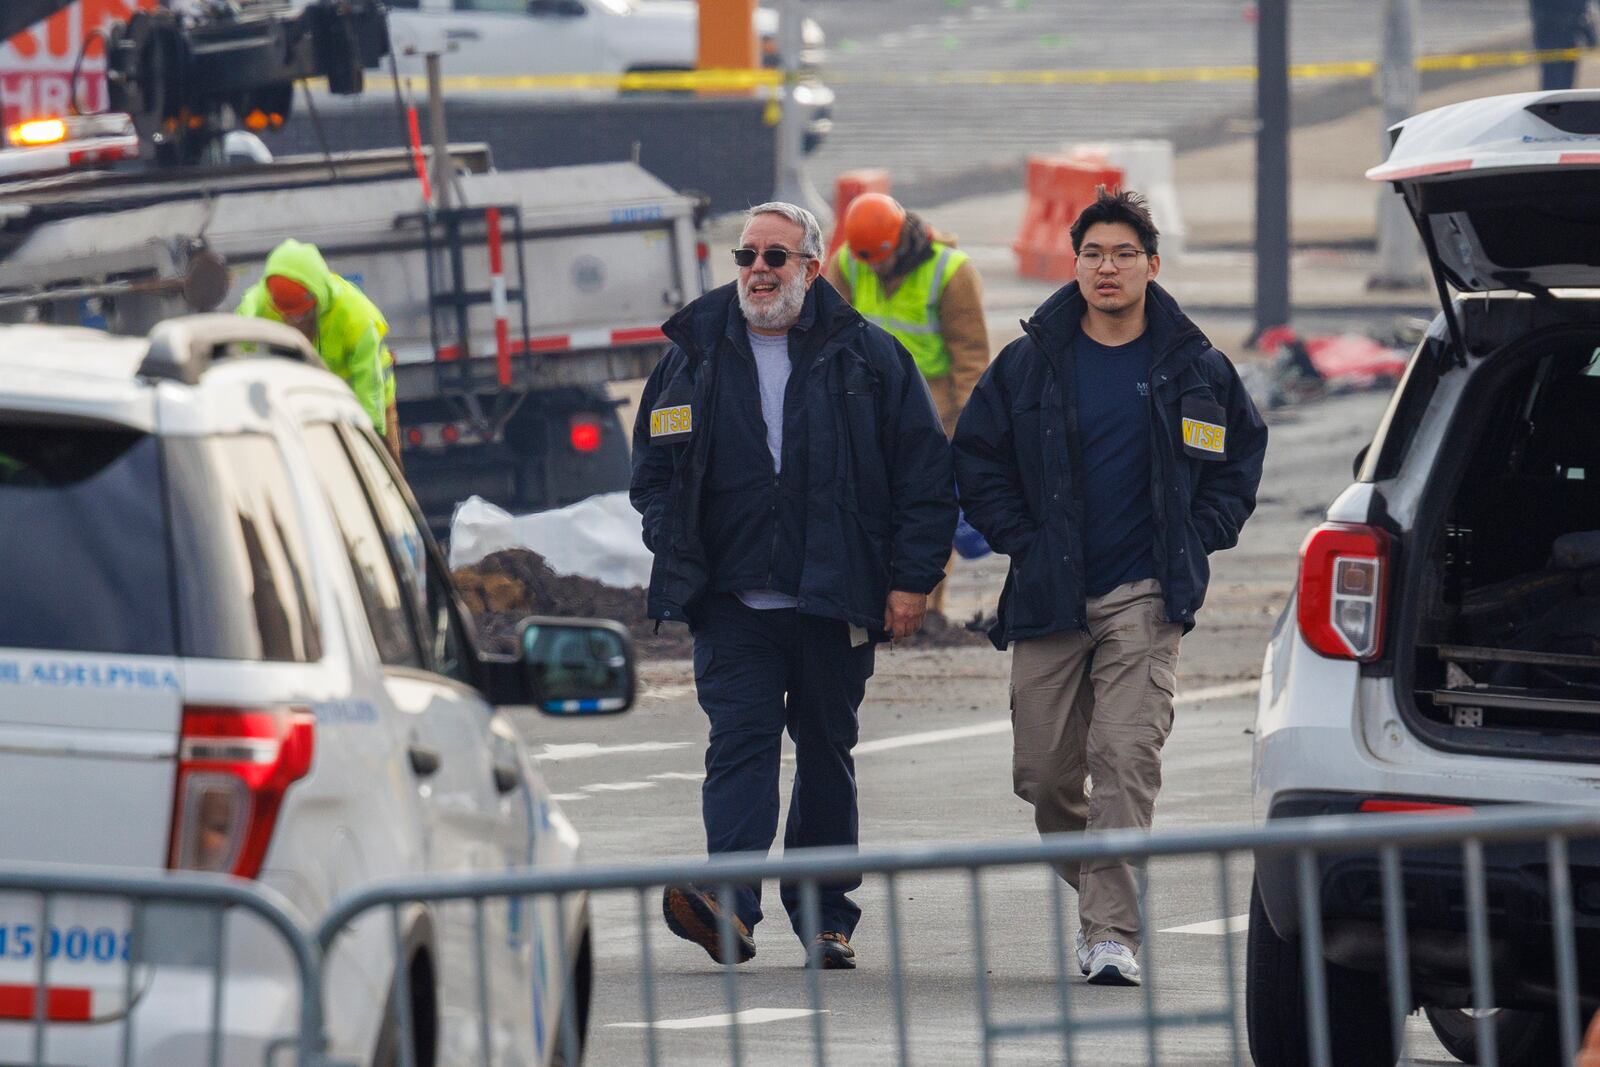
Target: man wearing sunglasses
1108, 451
795, 487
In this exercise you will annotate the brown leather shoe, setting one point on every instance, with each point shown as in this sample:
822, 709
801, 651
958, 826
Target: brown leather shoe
833, 952
693, 915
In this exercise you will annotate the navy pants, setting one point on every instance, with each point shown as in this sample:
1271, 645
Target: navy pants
1560, 24
758, 674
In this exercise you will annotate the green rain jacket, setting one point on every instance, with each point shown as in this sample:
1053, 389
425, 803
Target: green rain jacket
350, 328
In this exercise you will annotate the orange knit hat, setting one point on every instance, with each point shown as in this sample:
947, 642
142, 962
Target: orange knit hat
292, 299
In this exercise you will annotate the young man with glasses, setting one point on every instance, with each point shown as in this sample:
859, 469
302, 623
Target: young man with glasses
1108, 452
796, 491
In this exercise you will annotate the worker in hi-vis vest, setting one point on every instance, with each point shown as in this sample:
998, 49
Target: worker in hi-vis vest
298, 288
904, 276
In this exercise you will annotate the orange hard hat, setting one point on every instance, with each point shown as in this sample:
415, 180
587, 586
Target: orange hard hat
292, 299
872, 226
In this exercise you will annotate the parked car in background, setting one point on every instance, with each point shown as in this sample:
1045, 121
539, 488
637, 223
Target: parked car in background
511, 38
1441, 652
230, 645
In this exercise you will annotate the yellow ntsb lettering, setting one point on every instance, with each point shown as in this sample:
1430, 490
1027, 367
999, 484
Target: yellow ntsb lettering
1206, 436
671, 422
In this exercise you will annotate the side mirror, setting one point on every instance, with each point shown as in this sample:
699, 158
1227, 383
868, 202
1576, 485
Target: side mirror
557, 8
1361, 458
577, 666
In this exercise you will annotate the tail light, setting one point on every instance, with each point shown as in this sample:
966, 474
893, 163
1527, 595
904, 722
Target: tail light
451, 433
234, 767
702, 251
1343, 589
62, 1005
1414, 807
583, 433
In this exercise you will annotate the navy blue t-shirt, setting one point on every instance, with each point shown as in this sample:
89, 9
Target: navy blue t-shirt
1114, 430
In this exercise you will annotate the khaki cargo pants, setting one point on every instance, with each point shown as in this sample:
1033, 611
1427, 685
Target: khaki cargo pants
1097, 704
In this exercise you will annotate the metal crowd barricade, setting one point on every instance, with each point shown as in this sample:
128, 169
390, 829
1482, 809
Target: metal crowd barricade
1303, 841
209, 901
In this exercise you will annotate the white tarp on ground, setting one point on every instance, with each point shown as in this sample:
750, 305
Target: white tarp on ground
597, 538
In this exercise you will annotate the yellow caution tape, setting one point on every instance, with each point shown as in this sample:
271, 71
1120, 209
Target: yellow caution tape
1474, 61
741, 80
1364, 68
653, 81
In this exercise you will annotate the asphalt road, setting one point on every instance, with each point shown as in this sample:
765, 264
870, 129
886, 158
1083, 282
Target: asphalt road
938, 141
631, 785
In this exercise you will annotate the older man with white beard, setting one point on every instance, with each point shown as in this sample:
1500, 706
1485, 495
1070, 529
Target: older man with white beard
797, 493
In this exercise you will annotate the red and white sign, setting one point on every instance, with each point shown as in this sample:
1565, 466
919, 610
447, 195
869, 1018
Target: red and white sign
36, 65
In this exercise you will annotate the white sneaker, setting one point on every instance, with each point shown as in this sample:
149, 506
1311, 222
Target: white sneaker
1111, 963
1083, 952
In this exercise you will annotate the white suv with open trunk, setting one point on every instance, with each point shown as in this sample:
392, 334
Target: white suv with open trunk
227, 643
1442, 649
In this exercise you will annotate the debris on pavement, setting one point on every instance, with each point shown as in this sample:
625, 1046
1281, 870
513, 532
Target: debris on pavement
1304, 368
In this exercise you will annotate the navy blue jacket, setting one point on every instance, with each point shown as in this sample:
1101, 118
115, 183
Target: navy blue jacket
1019, 464
879, 501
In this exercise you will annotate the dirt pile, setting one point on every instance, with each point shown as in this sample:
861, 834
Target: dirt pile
505, 587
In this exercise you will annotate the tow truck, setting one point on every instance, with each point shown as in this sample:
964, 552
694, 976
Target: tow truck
512, 298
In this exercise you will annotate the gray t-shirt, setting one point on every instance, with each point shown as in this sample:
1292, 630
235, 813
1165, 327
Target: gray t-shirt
772, 370
772, 373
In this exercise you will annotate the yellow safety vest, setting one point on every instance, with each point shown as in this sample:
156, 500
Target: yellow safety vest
912, 313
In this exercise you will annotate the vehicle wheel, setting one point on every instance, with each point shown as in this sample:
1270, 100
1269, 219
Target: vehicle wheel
1275, 1006
424, 1020
1523, 1038
583, 986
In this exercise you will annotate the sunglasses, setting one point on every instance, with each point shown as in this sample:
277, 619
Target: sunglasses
773, 257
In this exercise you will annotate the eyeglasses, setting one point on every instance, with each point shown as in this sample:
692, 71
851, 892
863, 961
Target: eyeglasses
1123, 258
773, 257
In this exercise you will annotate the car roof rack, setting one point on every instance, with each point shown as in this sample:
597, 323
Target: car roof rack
184, 348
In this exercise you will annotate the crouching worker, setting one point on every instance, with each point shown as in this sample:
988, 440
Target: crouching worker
341, 323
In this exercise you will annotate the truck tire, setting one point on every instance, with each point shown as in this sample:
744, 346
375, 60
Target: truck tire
1522, 1038
1275, 1004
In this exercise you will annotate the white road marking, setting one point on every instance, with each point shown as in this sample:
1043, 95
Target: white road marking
1234, 924
568, 798
586, 750
931, 737
747, 1017
666, 692
1001, 726
589, 750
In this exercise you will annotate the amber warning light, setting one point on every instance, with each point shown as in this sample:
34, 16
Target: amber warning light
37, 132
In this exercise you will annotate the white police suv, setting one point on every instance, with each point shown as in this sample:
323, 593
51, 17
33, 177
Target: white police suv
1442, 649
228, 644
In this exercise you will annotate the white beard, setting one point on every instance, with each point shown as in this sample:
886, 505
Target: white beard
781, 313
